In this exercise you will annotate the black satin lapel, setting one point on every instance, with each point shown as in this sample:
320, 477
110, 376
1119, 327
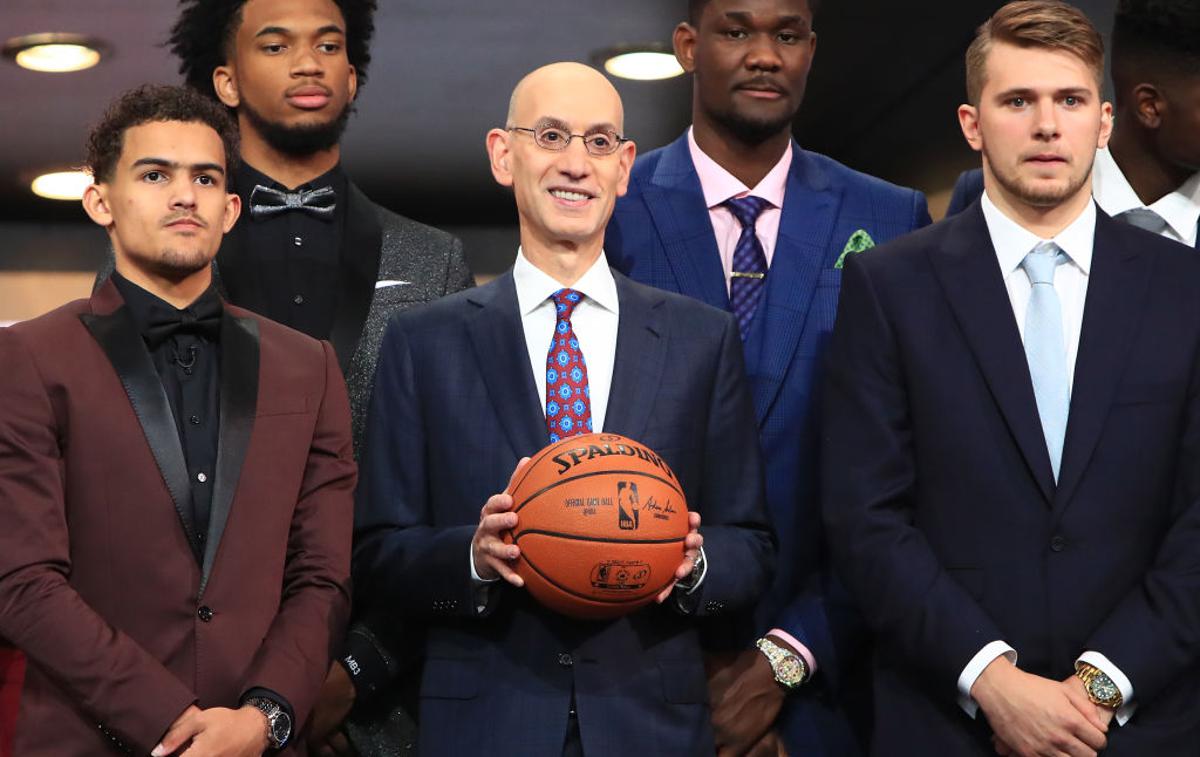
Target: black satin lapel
641, 356
362, 242
239, 400
1118, 284
121, 342
966, 267
499, 343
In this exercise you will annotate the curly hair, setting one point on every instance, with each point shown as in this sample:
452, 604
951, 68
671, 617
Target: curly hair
1166, 32
203, 36
151, 103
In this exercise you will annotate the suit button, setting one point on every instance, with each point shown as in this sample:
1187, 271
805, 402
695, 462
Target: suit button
205, 613
565, 660
1058, 544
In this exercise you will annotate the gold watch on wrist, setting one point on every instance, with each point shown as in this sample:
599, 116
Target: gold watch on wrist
790, 668
1100, 688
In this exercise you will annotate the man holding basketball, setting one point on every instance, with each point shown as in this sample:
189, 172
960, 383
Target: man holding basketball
461, 398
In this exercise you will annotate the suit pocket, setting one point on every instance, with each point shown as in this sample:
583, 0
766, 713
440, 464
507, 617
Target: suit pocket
451, 679
684, 682
830, 277
281, 405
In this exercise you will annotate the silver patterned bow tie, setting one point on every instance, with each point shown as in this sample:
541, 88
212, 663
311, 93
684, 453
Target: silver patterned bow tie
265, 201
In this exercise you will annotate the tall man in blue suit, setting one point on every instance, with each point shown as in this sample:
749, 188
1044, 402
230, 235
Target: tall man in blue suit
735, 214
463, 393
1012, 424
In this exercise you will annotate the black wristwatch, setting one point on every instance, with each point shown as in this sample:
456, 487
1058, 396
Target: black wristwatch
279, 723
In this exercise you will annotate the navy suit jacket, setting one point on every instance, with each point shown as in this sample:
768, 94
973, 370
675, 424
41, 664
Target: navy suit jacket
454, 408
661, 235
942, 509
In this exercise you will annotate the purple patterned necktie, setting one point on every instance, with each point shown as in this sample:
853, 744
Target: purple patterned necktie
749, 261
568, 399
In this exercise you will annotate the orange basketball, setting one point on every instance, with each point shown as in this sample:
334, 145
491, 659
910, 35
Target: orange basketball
601, 521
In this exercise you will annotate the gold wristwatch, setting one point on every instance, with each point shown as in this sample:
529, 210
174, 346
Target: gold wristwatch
1100, 688
790, 668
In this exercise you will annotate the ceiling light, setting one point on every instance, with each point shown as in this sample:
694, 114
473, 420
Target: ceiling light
61, 185
56, 53
647, 62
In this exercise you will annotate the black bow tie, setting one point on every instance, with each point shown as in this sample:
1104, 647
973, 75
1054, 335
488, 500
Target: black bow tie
202, 318
266, 202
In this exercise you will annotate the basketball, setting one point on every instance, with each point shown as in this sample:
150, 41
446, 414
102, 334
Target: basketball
601, 521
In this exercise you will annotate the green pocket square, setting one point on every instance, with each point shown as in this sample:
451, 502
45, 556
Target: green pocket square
858, 241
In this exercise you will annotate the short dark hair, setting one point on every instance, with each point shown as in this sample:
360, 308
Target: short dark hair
696, 7
1162, 33
1039, 24
150, 103
203, 35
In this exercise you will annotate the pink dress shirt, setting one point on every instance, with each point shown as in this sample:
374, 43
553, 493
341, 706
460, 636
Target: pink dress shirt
718, 186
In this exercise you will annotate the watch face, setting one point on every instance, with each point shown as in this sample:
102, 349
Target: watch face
1103, 689
790, 671
281, 728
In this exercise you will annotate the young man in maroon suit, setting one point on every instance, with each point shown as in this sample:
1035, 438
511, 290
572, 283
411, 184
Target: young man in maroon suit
176, 475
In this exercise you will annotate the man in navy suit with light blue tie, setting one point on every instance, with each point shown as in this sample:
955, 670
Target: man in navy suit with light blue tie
736, 214
465, 390
1012, 424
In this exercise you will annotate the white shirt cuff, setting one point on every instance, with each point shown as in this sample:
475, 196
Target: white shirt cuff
480, 585
974, 669
1122, 682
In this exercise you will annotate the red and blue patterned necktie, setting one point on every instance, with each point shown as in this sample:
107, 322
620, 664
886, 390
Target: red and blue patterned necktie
749, 261
568, 400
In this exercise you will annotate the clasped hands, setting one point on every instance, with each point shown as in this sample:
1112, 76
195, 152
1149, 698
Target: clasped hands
1031, 715
494, 558
216, 732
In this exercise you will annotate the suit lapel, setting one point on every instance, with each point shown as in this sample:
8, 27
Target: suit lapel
362, 240
239, 397
810, 210
641, 355
1117, 286
676, 203
498, 340
970, 277
112, 327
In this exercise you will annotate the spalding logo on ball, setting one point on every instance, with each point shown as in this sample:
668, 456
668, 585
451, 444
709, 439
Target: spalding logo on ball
601, 521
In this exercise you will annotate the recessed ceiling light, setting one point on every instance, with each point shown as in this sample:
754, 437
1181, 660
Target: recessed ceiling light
52, 52
61, 185
647, 62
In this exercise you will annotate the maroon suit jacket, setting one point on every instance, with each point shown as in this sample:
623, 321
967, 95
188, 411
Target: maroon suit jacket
122, 627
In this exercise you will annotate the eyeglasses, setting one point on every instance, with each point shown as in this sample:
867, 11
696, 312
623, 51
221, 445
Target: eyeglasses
555, 139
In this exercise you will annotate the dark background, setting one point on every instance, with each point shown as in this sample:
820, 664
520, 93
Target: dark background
886, 81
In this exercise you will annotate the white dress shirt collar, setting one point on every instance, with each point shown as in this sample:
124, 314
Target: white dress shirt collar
1180, 209
534, 286
1013, 241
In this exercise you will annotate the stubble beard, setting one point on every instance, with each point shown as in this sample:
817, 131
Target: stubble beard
1036, 196
302, 140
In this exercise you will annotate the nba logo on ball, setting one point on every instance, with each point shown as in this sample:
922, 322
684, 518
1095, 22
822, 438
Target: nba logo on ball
601, 521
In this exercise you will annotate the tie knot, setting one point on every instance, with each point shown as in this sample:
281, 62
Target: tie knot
565, 301
1041, 261
1144, 218
746, 209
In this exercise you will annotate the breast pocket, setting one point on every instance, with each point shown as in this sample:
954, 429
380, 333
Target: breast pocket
281, 405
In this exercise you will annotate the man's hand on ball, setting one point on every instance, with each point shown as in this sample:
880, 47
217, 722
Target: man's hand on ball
493, 557
691, 552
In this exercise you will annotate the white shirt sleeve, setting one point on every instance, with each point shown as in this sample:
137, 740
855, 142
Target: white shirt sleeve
974, 669
1122, 682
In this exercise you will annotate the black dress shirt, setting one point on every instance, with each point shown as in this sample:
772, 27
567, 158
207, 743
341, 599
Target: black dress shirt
297, 256
188, 363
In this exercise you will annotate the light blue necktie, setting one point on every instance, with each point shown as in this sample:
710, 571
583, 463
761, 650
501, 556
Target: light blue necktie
1045, 348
